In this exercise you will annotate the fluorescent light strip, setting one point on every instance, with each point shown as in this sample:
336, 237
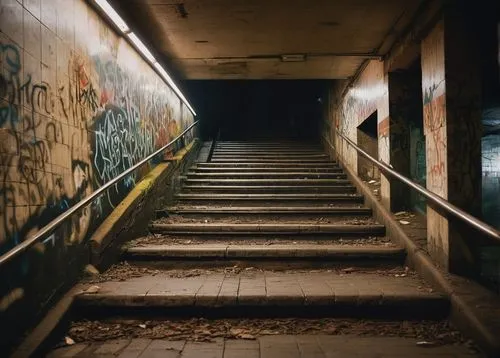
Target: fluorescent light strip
139, 45
113, 15
172, 84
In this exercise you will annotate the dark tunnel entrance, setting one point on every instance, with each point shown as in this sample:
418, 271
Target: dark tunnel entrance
259, 110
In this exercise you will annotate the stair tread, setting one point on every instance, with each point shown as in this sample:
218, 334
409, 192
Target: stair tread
288, 247
214, 287
265, 169
249, 181
329, 164
314, 208
277, 220
267, 174
279, 196
231, 250
285, 344
245, 187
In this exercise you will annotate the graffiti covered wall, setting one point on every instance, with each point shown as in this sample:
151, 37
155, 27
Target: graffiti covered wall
78, 106
434, 100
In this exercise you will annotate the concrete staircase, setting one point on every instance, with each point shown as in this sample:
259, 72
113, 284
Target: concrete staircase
266, 229
267, 252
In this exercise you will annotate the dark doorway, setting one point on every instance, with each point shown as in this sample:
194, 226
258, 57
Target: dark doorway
368, 141
250, 110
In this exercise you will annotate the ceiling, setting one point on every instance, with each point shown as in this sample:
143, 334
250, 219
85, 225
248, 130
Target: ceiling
245, 39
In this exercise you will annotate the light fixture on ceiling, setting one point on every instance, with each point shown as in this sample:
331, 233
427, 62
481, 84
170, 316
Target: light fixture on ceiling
172, 84
113, 15
293, 58
139, 46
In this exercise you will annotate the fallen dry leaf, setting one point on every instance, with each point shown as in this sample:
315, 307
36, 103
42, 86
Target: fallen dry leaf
92, 289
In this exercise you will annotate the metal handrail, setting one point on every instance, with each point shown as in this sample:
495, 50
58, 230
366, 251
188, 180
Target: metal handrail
50, 227
442, 203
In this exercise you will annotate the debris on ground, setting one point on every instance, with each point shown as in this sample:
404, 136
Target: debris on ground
206, 330
91, 270
124, 271
172, 240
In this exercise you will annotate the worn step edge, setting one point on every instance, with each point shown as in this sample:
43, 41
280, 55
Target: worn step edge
270, 188
268, 151
266, 156
269, 196
264, 169
267, 174
256, 181
259, 147
221, 251
252, 160
274, 200
268, 210
266, 229
329, 164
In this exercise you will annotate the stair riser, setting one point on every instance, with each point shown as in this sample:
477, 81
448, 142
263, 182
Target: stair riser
266, 170
269, 145
363, 230
292, 148
155, 307
265, 263
276, 182
260, 214
296, 166
273, 190
218, 256
277, 152
268, 156
266, 176
254, 202
264, 160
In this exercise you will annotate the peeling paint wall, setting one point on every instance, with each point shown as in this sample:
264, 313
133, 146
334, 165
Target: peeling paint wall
78, 106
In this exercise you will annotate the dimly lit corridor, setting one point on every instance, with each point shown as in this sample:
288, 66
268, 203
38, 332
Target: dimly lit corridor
249, 178
252, 110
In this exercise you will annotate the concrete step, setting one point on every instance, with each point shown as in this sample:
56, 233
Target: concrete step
268, 198
270, 146
218, 154
270, 151
291, 144
317, 211
265, 160
266, 169
269, 158
330, 164
259, 229
275, 182
297, 252
268, 175
219, 293
268, 189
316, 345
